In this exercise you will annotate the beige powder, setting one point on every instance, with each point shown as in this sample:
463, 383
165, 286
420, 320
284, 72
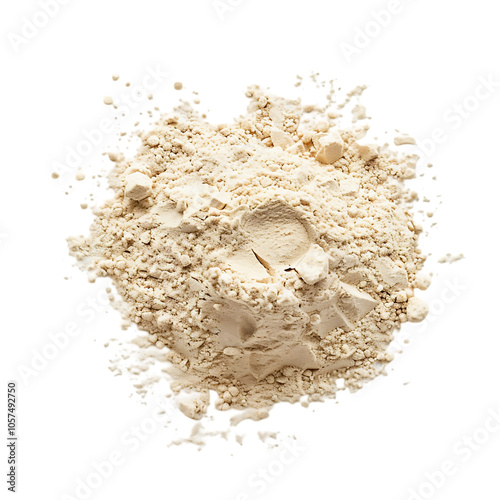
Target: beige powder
272, 256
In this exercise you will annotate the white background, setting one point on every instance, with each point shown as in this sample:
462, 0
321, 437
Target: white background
379, 443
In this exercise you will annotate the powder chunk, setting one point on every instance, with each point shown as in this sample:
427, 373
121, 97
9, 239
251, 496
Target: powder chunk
278, 237
368, 152
358, 113
276, 115
80, 175
417, 309
422, 281
264, 363
354, 303
313, 267
281, 139
393, 275
246, 263
138, 186
220, 200
449, 258
329, 146
404, 139
194, 405
349, 186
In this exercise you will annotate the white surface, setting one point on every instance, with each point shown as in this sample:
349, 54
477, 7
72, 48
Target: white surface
378, 443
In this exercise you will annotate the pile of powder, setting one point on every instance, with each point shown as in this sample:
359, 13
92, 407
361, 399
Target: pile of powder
272, 257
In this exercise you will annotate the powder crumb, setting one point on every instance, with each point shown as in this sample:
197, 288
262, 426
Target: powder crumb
115, 77
195, 405
404, 139
178, 85
267, 436
422, 281
416, 310
450, 259
55, 175
358, 113
137, 186
108, 100
84, 206
250, 414
80, 175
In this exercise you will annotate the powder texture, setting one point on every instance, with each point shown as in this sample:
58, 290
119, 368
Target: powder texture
272, 256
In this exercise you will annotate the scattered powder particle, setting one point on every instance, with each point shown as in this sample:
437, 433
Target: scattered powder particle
358, 113
422, 281
55, 175
368, 152
449, 258
416, 310
137, 186
250, 414
115, 77
80, 175
404, 139
108, 100
178, 85
269, 259
84, 206
329, 147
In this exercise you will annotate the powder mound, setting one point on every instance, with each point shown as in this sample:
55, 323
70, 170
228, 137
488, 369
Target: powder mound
272, 256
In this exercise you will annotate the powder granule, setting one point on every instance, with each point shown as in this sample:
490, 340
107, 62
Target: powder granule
272, 257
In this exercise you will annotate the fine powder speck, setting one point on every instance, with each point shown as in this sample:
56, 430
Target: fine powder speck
272, 257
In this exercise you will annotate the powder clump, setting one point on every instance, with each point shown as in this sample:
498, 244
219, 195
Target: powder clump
272, 257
